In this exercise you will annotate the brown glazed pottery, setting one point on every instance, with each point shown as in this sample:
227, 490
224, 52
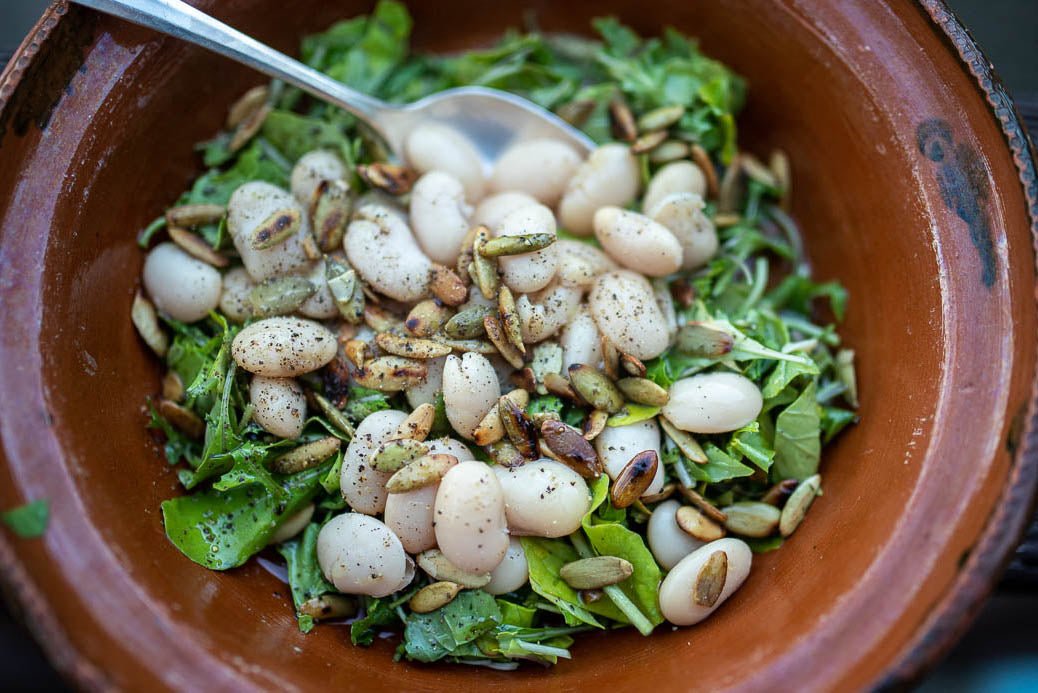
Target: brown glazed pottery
915, 187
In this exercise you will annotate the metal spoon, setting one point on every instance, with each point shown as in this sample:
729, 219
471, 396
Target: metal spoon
491, 119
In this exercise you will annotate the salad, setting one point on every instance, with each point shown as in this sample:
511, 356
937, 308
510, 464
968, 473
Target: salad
493, 410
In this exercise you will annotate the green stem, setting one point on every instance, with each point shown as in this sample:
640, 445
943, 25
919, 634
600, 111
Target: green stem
621, 600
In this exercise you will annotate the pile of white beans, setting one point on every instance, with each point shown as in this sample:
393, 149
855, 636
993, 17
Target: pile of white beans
583, 297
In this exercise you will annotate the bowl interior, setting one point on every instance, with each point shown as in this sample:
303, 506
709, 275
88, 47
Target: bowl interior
905, 191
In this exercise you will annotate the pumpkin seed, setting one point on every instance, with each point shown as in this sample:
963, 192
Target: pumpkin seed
391, 455
172, 386
484, 268
438, 567
671, 150
182, 419
411, 347
634, 478
345, 287
381, 320
710, 581
796, 507
248, 127
310, 248
696, 339
576, 112
425, 471
649, 141
682, 292
190, 216
246, 104
490, 429
640, 508
633, 365
524, 378
778, 494
330, 213
730, 193
144, 318
697, 525
547, 358
590, 596
643, 391
685, 442
306, 456
504, 347
781, 170
753, 168
391, 374
418, 423
516, 245
196, 247
702, 160
558, 385
334, 415
468, 324
277, 228
447, 286
621, 121
571, 448
723, 220
666, 492
509, 318
427, 318
506, 454
357, 352
610, 358
434, 596
595, 423
844, 366
595, 388
392, 178
477, 345
660, 118
518, 427
752, 519
596, 572
466, 255
280, 295
540, 417
705, 506
329, 606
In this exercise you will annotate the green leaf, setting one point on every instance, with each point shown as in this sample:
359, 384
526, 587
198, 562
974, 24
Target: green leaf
253, 163
294, 135
764, 545
632, 413
797, 437
363, 402
749, 442
834, 420
516, 614
545, 558
305, 578
433, 636
542, 404
381, 48
380, 612
28, 521
720, 466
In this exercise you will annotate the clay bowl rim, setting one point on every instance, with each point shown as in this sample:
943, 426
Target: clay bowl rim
949, 618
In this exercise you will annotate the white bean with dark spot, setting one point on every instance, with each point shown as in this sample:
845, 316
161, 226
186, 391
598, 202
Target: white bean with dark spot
180, 285
252, 204
616, 445
667, 541
528, 271
471, 529
543, 498
283, 347
540, 167
384, 252
682, 214
279, 405
432, 146
311, 169
361, 485
676, 591
610, 176
511, 573
675, 177
637, 242
360, 555
470, 389
440, 215
624, 308
713, 402
492, 209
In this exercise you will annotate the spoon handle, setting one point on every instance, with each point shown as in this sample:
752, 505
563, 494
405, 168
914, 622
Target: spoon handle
180, 20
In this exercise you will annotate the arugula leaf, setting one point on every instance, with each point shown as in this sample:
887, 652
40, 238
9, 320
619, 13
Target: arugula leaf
363, 402
305, 578
432, 636
294, 135
764, 545
369, 59
28, 521
380, 612
797, 437
632, 413
542, 404
720, 466
834, 420
545, 558
516, 614
253, 163
177, 446
749, 442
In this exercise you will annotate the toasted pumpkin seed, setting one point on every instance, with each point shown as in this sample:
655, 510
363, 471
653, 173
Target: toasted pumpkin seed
702, 160
780, 169
634, 478
280, 295
649, 141
610, 358
248, 127
411, 347
595, 423
621, 121
357, 352
518, 427
710, 581
796, 507
660, 118
190, 216
666, 492
596, 572
496, 334
394, 454
643, 391
479, 346
560, 386
723, 220
590, 596
595, 388
330, 213
671, 150
466, 255
277, 228
547, 358
418, 423
516, 245
752, 519
196, 247
392, 178
425, 471
757, 171
697, 525
427, 318
391, 373
490, 429
697, 339
509, 318
182, 419
576, 112
778, 494
306, 456
345, 287
484, 268
685, 442
381, 320
438, 567
447, 286
506, 454
540, 417
144, 318
172, 386
434, 596
468, 324
707, 508
328, 606
333, 414
246, 104
730, 193
310, 248
682, 292
632, 365
571, 448
524, 378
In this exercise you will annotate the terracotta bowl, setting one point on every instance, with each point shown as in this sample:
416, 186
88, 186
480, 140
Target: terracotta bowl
915, 187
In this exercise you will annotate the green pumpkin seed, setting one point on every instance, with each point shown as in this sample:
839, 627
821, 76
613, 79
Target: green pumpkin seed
778, 494
649, 141
710, 581
391, 374
510, 318
595, 388
496, 334
427, 318
468, 324
576, 112
277, 228
334, 415
660, 118
506, 454
697, 525
752, 519
595, 572
685, 442
844, 366
330, 212
702, 160
346, 291
484, 269
730, 193
780, 170
634, 478
195, 246
190, 216
381, 320
705, 506
477, 345
391, 455
249, 127
436, 565
145, 319
643, 391
329, 606
516, 245
757, 171
306, 456
696, 339
246, 104
671, 150
392, 178
280, 295
411, 347
182, 419
418, 423
434, 596
425, 471
796, 507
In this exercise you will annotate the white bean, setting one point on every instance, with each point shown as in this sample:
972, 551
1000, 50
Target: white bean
384, 252
360, 555
234, 297
292, 525
180, 285
528, 271
494, 208
544, 313
676, 600
471, 529
279, 405
512, 573
425, 391
283, 347
470, 389
361, 485
637, 242
440, 215
580, 263
311, 169
543, 498
449, 446
625, 309
668, 542
384, 201
683, 214
675, 177
320, 306
540, 167
610, 176
616, 445
713, 402
252, 204
581, 341
433, 146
